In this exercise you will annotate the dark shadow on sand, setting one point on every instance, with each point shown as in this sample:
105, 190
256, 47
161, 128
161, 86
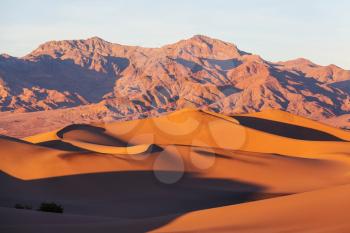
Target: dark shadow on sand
8, 138
133, 195
285, 129
98, 131
60, 145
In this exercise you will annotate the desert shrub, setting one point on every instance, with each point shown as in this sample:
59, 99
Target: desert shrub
51, 207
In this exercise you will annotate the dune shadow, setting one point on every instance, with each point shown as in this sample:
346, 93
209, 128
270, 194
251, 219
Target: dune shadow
94, 130
79, 127
14, 139
132, 195
154, 148
224, 156
211, 154
60, 145
285, 129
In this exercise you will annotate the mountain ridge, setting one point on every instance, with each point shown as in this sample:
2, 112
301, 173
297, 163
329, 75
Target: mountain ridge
133, 81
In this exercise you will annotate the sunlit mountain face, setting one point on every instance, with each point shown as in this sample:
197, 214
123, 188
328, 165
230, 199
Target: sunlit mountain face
199, 71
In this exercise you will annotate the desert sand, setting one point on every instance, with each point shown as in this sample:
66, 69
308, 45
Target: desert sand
187, 171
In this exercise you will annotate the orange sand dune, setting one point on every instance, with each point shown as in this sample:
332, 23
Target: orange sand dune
187, 171
191, 127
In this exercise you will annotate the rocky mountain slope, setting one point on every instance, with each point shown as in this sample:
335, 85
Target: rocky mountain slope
131, 81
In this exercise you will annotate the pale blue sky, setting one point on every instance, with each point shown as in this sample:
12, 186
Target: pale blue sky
277, 30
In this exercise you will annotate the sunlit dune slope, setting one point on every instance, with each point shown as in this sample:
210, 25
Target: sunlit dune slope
42, 137
29, 161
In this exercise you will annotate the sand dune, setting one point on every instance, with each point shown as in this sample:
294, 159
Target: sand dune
187, 171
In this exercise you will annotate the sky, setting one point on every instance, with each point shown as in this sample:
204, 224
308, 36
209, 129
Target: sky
277, 30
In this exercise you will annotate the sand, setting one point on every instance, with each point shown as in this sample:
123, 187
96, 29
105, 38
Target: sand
189, 171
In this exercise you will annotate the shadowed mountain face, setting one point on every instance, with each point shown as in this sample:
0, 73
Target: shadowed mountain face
130, 81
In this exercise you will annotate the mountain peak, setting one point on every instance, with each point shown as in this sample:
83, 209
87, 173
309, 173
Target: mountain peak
96, 39
5, 55
59, 48
333, 66
302, 60
201, 37
205, 46
298, 62
206, 39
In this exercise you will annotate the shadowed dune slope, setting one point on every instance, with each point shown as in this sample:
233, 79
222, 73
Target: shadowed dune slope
286, 129
288, 118
89, 133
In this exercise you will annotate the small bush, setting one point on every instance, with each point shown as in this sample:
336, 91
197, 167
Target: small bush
51, 207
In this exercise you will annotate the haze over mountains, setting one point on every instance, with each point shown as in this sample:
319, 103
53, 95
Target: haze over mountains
116, 81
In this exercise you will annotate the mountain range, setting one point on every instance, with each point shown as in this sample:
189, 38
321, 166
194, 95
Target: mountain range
96, 80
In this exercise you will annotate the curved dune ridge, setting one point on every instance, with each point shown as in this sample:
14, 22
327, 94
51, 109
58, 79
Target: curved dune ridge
188, 171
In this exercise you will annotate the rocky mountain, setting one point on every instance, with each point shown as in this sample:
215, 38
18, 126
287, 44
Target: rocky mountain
131, 81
